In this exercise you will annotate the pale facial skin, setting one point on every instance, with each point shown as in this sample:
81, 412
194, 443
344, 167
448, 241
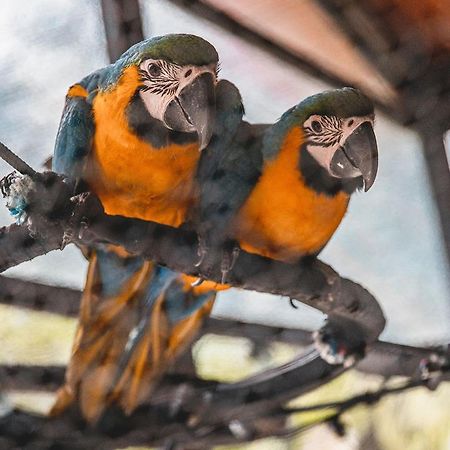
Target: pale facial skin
326, 134
163, 82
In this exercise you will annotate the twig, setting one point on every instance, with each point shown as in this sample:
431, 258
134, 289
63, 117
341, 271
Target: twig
368, 398
15, 162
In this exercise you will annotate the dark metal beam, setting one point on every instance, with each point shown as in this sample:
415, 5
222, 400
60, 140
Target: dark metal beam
384, 359
214, 15
123, 25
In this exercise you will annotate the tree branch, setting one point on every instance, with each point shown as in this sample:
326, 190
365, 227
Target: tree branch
347, 304
39, 297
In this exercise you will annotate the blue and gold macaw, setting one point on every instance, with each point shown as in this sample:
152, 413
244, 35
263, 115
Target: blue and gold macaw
281, 191
132, 133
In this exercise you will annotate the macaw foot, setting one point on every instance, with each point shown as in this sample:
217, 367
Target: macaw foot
207, 256
18, 190
339, 344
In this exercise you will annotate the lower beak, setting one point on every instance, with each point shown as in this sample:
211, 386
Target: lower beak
358, 156
194, 108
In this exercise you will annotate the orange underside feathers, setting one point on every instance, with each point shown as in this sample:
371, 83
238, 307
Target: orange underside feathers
283, 218
131, 177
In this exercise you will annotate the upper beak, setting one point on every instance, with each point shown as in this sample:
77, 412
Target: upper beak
358, 156
194, 109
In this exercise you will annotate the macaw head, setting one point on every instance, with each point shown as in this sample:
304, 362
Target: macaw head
339, 136
177, 73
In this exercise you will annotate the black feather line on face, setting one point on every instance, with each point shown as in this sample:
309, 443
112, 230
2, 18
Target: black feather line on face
217, 69
153, 130
166, 83
318, 178
330, 134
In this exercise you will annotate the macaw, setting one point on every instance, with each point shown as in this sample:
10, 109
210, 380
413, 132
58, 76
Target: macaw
282, 190
132, 133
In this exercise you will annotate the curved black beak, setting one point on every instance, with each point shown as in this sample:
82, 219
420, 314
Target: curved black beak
194, 109
358, 156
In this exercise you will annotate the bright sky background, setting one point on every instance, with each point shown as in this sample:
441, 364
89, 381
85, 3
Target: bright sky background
389, 242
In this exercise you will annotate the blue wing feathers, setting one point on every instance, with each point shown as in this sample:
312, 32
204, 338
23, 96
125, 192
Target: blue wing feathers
74, 138
76, 129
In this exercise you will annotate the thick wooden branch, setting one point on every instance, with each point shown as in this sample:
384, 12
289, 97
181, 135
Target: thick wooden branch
18, 245
347, 304
311, 282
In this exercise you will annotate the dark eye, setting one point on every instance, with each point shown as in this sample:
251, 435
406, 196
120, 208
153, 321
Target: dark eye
154, 70
316, 126
188, 73
351, 122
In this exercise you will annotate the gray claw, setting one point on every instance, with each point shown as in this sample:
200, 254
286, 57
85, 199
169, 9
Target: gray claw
202, 255
202, 251
66, 240
197, 282
83, 227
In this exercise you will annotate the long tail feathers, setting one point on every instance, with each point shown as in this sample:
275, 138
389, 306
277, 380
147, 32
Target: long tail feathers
130, 330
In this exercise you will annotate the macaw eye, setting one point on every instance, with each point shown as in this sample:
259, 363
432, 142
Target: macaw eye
351, 122
316, 126
154, 70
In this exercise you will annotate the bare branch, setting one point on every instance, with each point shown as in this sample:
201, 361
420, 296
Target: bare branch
14, 161
33, 378
39, 297
312, 282
214, 418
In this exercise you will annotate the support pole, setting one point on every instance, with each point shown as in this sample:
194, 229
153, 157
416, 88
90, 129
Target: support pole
123, 25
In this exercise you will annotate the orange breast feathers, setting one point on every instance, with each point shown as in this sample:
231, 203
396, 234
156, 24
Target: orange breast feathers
283, 218
131, 177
